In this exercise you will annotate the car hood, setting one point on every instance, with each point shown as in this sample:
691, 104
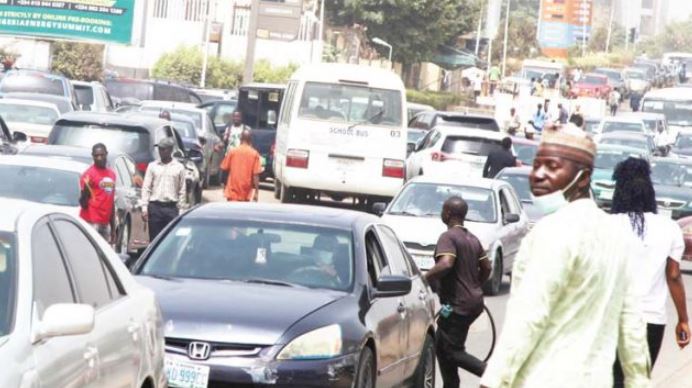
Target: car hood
233, 312
425, 231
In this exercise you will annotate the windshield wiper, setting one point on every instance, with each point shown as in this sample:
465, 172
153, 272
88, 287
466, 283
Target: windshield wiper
271, 282
161, 277
403, 213
377, 115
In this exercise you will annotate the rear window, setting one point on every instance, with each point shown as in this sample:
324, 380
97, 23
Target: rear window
117, 140
486, 123
30, 83
470, 145
21, 113
130, 89
622, 127
85, 94
39, 184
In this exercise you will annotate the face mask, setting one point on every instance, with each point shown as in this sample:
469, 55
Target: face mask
550, 203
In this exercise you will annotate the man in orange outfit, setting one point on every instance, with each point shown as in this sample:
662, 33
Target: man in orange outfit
244, 166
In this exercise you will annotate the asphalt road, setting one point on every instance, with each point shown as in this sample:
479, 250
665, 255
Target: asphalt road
673, 367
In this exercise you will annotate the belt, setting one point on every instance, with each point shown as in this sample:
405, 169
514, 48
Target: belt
164, 204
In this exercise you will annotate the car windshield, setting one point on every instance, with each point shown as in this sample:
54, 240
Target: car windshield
426, 200
126, 89
118, 140
525, 152
486, 123
591, 126
23, 113
671, 174
32, 83
185, 128
39, 184
8, 282
350, 104
593, 80
470, 145
196, 117
617, 126
520, 183
634, 75
278, 253
684, 141
629, 142
608, 159
676, 112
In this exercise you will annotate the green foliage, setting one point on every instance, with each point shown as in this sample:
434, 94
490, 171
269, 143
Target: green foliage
415, 28
676, 37
78, 61
521, 37
599, 38
184, 65
619, 58
438, 100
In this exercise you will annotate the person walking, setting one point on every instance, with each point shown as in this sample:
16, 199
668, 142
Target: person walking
577, 118
163, 190
97, 197
538, 120
658, 265
477, 85
563, 115
461, 268
613, 101
498, 159
243, 165
635, 100
231, 135
572, 301
494, 77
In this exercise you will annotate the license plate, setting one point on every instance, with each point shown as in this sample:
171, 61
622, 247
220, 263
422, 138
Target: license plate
665, 212
186, 375
424, 262
608, 195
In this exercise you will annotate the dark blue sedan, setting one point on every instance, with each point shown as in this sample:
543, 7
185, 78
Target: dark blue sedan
291, 296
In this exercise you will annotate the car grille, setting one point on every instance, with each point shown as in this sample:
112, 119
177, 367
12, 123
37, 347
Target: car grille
218, 349
419, 247
670, 203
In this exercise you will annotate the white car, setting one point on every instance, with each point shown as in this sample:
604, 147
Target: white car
495, 216
623, 124
71, 315
33, 118
93, 96
462, 149
203, 123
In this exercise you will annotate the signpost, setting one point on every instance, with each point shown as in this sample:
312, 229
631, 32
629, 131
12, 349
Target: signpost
107, 21
563, 25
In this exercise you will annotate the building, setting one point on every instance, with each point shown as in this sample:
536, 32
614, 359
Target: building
647, 17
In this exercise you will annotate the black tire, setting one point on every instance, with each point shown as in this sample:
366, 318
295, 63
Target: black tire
425, 373
492, 285
207, 177
123, 233
365, 374
277, 189
287, 194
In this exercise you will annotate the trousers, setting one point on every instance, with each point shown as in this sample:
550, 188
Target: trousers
160, 215
450, 347
654, 337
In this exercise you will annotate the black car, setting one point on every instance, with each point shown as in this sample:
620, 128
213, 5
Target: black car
672, 178
133, 134
285, 295
430, 119
131, 231
130, 90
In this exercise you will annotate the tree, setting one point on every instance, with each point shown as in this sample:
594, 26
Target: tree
599, 37
184, 65
521, 38
676, 37
78, 61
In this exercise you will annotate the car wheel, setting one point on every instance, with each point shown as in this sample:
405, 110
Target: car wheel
492, 286
365, 374
207, 177
123, 239
277, 189
286, 194
425, 373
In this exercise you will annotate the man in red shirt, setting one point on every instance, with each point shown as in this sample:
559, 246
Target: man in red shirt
244, 166
97, 197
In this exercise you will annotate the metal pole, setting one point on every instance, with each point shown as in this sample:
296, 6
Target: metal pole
390, 56
539, 25
321, 30
251, 41
610, 25
205, 56
583, 28
478, 32
504, 49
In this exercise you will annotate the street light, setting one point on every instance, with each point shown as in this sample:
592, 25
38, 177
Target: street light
381, 42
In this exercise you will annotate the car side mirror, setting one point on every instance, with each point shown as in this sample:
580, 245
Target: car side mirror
178, 154
202, 140
389, 286
18, 136
511, 218
410, 147
379, 208
65, 319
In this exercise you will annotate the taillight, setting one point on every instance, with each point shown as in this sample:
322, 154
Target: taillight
38, 139
142, 167
393, 168
297, 158
438, 156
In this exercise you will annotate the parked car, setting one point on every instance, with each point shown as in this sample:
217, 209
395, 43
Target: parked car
614, 79
641, 141
607, 158
33, 118
414, 136
495, 216
63, 104
591, 124
199, 143
131, 231
93, 96
35, 81
672, 178
220, 112
430, 119
636, 80
591, 85
305, 296
71, 315
686, 226
133, 134
518, 177
136, 89
525, 150
466, 148
413, 109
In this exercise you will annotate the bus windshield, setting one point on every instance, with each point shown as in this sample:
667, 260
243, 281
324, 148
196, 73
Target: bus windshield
676, 112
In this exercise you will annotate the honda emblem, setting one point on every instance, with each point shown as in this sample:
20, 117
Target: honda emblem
198, 350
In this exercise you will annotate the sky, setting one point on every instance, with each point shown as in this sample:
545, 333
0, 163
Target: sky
679, 9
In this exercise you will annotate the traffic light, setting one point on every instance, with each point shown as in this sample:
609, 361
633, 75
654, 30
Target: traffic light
633, 34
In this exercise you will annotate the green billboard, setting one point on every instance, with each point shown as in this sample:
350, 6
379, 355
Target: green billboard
94, 20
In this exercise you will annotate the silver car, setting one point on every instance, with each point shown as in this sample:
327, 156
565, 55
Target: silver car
70, 313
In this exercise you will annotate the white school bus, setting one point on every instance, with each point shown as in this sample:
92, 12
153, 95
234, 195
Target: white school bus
342, 132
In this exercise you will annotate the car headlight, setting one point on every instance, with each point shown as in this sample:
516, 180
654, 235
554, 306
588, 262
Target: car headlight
317, 344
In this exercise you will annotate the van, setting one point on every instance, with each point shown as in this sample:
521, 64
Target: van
342, 132
674, 103
124, 89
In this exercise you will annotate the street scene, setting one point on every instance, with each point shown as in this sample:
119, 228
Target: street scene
362, 193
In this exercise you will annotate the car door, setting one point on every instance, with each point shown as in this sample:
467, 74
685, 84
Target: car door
127, 202
116, 333
511, 233
69, 361
212, 140
417, 313
385, 317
